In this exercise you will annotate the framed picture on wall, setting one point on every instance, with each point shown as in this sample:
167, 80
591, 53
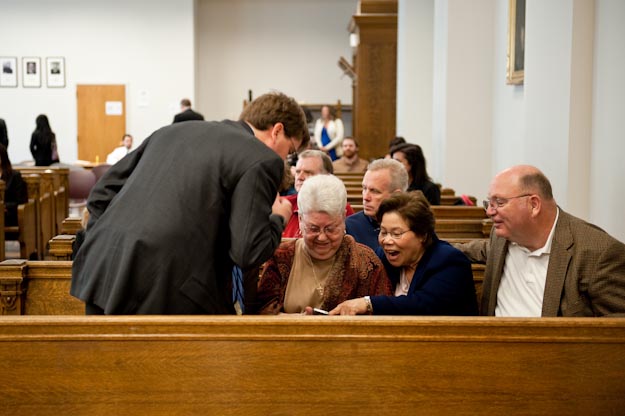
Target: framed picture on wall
55, 72
8, 71
31, 72
516, 42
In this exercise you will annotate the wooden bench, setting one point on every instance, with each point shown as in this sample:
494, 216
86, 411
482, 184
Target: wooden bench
37, 288
292, 365
462, 228
458, 212
42, 287
55, 180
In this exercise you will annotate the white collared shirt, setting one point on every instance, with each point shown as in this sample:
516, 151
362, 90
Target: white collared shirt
522, 287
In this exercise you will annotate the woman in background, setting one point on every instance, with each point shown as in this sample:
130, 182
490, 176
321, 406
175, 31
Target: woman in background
329, 133
16, 191
411, 156
43, 143
4, 135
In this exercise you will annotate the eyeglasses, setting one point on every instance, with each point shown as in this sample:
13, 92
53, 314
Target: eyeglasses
500, 202
292, 149
395, 235
330, 230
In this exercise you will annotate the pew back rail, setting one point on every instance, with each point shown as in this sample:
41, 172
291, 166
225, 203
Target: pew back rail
302, 365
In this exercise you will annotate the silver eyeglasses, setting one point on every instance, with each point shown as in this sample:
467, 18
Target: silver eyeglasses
395, 235
330, 230
500, 202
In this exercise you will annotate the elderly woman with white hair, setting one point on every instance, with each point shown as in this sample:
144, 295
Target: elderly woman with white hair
325, 267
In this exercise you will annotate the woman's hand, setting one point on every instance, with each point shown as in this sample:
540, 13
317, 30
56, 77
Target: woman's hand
351, 307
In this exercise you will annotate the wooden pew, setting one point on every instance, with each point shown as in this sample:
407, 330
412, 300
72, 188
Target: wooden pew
296, 365
462, 228
61, 246
55, 181
71, 225
37, 288
42, 287
458, 212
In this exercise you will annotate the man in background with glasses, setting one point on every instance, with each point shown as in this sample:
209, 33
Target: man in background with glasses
542, 261
309, 163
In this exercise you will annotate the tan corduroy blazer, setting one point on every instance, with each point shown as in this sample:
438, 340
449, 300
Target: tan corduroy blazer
585, 276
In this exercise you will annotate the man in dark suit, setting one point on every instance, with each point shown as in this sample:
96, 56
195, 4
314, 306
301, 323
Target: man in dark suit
186, 113
169, 221
541, 261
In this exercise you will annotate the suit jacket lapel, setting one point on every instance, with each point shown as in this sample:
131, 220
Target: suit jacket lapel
498, 252
559, 260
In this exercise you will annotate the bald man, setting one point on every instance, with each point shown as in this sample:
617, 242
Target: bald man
541, 261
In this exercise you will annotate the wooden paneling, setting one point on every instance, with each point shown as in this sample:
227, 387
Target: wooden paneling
376, 77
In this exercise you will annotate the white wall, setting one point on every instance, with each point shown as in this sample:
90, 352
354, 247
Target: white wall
463, 90
288, 45
566, 119
508, 103
607, 192
145, 44
415, 67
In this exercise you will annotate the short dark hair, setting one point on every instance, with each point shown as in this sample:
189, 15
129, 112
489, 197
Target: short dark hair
185, 102
353, 139
395, 141
414, 208
276, 107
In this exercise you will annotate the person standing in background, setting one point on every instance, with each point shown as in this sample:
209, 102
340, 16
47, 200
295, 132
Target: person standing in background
186, 113
329, 133
43, 143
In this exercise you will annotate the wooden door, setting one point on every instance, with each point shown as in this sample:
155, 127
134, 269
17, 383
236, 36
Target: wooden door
101, 120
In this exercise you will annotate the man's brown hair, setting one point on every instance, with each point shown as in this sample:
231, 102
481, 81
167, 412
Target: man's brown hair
275, 107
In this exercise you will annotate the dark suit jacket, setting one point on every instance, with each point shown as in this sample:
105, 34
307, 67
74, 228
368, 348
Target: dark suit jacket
188, 115
169, 220
441, 285
585, 276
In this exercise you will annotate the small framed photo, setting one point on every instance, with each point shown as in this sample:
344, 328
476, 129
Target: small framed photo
31, 72
8, 71
55, 72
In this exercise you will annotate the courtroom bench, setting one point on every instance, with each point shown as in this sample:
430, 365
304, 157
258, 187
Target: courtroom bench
302, 365
42, 288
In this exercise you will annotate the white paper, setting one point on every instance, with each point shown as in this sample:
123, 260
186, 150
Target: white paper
114, 108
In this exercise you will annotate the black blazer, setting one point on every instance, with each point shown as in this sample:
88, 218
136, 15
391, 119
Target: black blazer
169, 220
16, 193
187, 115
